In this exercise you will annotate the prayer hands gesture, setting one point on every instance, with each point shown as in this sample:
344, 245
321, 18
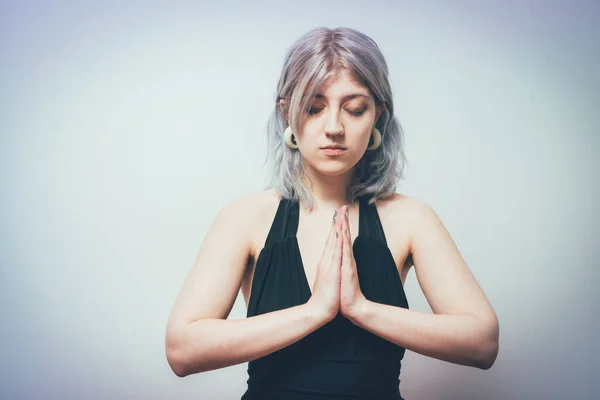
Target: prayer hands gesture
336, 287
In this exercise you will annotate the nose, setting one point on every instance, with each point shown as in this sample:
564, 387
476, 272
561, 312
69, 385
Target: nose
334, 126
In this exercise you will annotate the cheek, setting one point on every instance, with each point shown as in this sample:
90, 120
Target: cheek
361, 131
310, 126
309, 134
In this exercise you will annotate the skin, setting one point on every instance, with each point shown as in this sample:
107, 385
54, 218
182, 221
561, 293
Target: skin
335, 119
463, 328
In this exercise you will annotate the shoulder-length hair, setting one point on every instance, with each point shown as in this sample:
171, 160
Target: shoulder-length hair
312, 59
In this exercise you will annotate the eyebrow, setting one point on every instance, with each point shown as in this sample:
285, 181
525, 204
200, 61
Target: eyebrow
345, 98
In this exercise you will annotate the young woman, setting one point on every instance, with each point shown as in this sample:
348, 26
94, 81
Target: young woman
322, 255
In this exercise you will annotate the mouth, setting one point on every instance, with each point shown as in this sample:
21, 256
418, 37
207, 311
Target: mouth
333, 150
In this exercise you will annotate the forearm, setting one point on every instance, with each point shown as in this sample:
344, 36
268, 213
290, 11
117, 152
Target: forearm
459, 339
211, 343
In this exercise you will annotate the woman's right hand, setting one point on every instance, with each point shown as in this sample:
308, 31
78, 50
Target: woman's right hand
326, 291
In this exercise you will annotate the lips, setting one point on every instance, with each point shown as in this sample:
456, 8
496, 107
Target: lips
333, 150
334, 147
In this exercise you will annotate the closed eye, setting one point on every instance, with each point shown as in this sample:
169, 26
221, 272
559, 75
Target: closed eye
356, 113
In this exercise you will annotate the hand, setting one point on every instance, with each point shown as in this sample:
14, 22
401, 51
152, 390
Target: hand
351, 297
326, 290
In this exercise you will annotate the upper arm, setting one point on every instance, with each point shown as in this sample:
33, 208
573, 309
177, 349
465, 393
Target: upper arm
444, 277
214, 281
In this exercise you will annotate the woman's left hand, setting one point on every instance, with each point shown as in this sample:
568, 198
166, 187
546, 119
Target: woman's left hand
351, 297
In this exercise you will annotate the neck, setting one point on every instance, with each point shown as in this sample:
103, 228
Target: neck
329, 192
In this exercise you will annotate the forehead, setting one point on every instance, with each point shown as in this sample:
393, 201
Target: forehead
342, 83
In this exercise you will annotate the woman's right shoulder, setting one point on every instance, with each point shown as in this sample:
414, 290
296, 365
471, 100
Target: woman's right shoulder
253, 215
253, 205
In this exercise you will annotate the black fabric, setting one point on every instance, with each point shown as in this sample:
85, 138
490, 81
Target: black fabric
338, 360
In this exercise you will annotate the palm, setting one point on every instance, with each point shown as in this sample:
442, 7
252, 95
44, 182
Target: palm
350, 293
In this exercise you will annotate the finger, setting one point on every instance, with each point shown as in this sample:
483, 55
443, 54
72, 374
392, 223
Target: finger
330, 243
347, 215
344, 213
336, 234
346, 248
337, 254
341, 225
331, 234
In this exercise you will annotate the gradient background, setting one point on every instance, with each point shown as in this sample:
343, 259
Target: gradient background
126, 127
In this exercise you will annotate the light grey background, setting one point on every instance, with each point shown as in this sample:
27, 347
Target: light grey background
126, 127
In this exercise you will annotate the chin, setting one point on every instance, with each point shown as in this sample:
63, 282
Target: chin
333, 169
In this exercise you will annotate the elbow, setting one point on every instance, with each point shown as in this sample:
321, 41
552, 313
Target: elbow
487, 358
177, 366
174, 353
487, 350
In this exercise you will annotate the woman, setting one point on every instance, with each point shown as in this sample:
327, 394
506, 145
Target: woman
329, 318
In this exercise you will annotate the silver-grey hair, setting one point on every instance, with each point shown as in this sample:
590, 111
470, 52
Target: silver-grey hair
312, 59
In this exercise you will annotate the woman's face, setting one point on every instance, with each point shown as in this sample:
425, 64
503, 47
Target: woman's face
342, 115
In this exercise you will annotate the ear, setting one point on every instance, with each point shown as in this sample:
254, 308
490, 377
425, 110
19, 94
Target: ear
379, 110
282, 104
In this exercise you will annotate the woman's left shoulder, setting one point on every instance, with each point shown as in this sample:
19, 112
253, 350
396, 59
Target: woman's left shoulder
401, 215
400, 205
396, 213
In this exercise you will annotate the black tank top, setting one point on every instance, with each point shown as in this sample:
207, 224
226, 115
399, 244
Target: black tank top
339, 360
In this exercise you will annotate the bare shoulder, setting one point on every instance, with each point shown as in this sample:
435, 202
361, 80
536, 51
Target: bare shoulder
400, 215
400, 209
256, 212
214, 281
250, 207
